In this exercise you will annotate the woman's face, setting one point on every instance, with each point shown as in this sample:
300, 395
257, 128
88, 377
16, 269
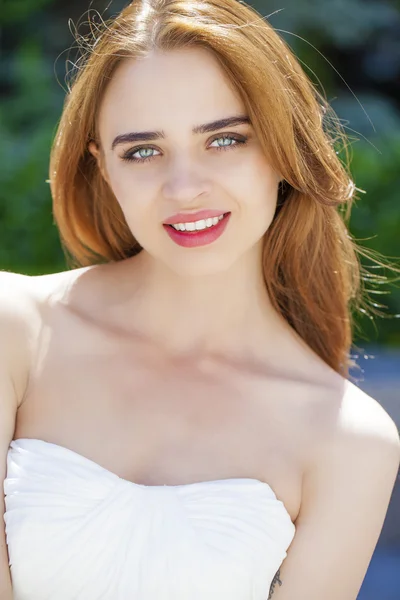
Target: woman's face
177, 169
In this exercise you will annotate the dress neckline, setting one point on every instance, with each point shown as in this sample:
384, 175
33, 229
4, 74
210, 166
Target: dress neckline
85, 459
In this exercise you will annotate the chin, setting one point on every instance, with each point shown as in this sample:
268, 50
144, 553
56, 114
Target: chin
191, 265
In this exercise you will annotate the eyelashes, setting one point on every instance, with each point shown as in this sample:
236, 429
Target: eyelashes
240, 140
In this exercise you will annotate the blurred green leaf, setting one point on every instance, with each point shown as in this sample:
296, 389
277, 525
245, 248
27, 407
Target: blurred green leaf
13, 11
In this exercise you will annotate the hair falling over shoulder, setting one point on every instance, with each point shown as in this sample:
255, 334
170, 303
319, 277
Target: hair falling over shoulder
311, 264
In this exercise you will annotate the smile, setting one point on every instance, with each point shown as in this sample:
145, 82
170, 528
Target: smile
198, 233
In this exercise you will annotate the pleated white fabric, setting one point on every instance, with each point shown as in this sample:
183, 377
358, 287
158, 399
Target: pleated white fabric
76, 531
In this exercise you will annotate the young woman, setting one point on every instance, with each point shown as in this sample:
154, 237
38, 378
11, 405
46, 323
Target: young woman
177, 419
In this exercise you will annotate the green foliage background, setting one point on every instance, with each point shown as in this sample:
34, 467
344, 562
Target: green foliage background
349, 48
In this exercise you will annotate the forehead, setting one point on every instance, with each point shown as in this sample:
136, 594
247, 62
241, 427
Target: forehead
167, 90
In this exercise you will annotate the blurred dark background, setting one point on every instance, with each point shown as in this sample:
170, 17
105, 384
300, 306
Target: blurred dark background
351, 51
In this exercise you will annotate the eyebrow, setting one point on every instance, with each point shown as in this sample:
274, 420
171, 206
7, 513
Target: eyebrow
146, 136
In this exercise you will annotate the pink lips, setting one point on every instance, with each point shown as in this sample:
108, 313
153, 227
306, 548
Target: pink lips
194, 216
203, 237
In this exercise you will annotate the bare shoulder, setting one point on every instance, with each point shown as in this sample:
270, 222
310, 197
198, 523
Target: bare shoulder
362, 419
18, 290
346, 492
362, 451
22, 299
342, 416
21, 296
360, 440
18, 319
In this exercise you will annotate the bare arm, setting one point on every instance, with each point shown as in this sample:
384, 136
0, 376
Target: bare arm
346, 494
14, 315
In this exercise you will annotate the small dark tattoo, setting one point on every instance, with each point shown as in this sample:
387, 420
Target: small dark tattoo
274, 582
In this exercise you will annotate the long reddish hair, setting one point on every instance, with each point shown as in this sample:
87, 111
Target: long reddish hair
311, 264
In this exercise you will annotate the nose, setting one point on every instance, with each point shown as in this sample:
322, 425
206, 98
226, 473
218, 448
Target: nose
185, 182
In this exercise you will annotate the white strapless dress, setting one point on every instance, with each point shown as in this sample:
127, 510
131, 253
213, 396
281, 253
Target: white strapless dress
76, 531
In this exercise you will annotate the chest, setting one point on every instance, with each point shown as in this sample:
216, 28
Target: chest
162, 422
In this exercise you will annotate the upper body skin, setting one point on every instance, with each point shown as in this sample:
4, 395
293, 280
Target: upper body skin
172, 367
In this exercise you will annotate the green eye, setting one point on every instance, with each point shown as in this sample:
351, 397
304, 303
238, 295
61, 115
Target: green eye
129, 156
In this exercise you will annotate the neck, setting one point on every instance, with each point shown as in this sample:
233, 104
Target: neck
218, 313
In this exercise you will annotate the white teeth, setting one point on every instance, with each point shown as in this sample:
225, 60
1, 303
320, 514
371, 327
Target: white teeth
198, 225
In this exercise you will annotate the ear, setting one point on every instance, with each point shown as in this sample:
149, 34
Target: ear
96, 152
94, 149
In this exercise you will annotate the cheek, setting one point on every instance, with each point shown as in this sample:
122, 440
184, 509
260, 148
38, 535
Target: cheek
257, 184
135, 195
118, 180
131, 192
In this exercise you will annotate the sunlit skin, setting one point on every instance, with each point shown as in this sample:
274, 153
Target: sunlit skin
209, 298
